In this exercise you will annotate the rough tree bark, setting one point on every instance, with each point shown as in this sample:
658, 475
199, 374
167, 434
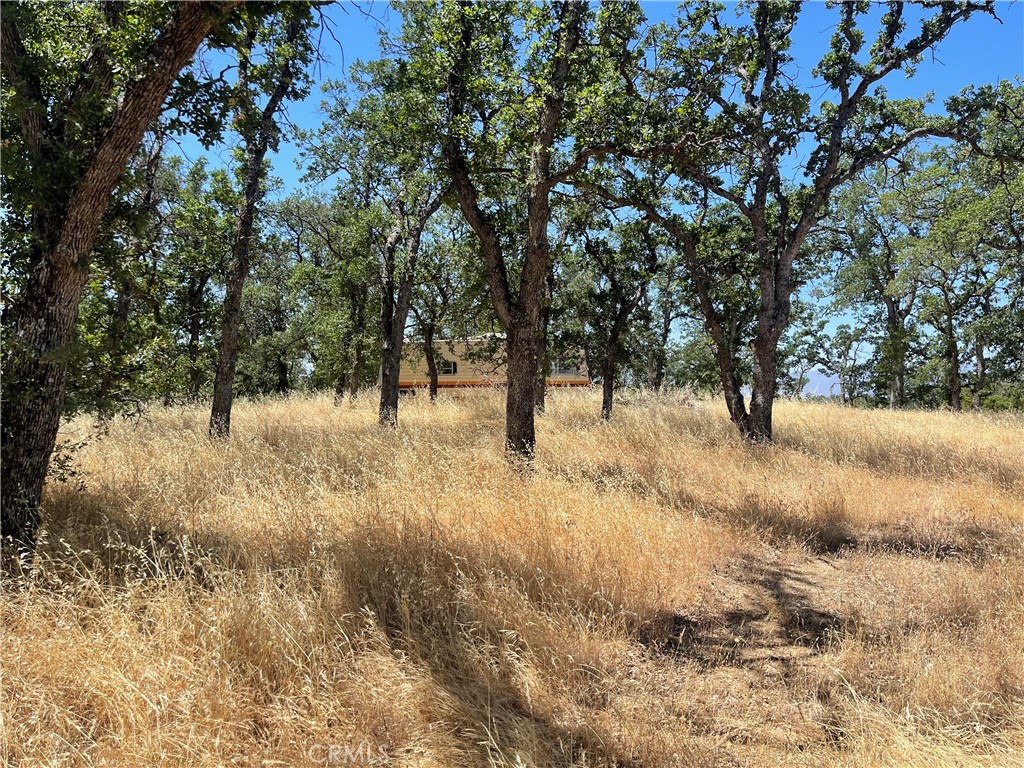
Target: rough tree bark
44, 316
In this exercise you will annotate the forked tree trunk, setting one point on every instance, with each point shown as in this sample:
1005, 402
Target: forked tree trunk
520, 314
394, 313
44, 316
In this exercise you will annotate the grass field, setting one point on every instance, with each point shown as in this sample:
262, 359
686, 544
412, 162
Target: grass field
654, 594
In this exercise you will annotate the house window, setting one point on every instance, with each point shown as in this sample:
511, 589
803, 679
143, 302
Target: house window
560, 367
447, 367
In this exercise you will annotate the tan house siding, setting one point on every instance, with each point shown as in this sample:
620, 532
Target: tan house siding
469, 373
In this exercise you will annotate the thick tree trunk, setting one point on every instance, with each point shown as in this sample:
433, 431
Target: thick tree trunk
762, 393
35, 378
390, 364
520, 434
607, 385
45, 314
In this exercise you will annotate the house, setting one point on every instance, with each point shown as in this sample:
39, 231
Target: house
477, 362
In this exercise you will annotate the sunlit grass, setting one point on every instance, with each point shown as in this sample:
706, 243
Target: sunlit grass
655, 593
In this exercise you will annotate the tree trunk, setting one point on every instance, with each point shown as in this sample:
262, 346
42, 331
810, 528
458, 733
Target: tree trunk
394, 312
428, 353
45, 314
283, 382
195, 292
390, 334
954, 384
256, 144
339, 386
762, 393
520, 434
541, 391
732, 388
34, 382
607, 384
390, 364
520, 315
231, 323
657, 380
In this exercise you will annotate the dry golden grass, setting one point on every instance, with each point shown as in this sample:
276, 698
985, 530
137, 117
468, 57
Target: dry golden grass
655, 594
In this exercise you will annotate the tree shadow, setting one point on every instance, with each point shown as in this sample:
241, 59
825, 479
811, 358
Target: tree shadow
778, 622
426, 594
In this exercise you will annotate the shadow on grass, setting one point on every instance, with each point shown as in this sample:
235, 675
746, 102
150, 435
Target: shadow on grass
444, 604
777, 623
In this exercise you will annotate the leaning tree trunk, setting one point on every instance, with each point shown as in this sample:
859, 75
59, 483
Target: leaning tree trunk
35, 378
45, 314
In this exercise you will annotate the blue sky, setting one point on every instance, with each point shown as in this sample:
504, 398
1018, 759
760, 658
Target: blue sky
978, 52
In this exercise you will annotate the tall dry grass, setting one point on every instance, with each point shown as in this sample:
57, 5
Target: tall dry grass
654, 594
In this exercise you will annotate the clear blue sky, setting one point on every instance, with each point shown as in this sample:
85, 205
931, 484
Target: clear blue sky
978, 52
